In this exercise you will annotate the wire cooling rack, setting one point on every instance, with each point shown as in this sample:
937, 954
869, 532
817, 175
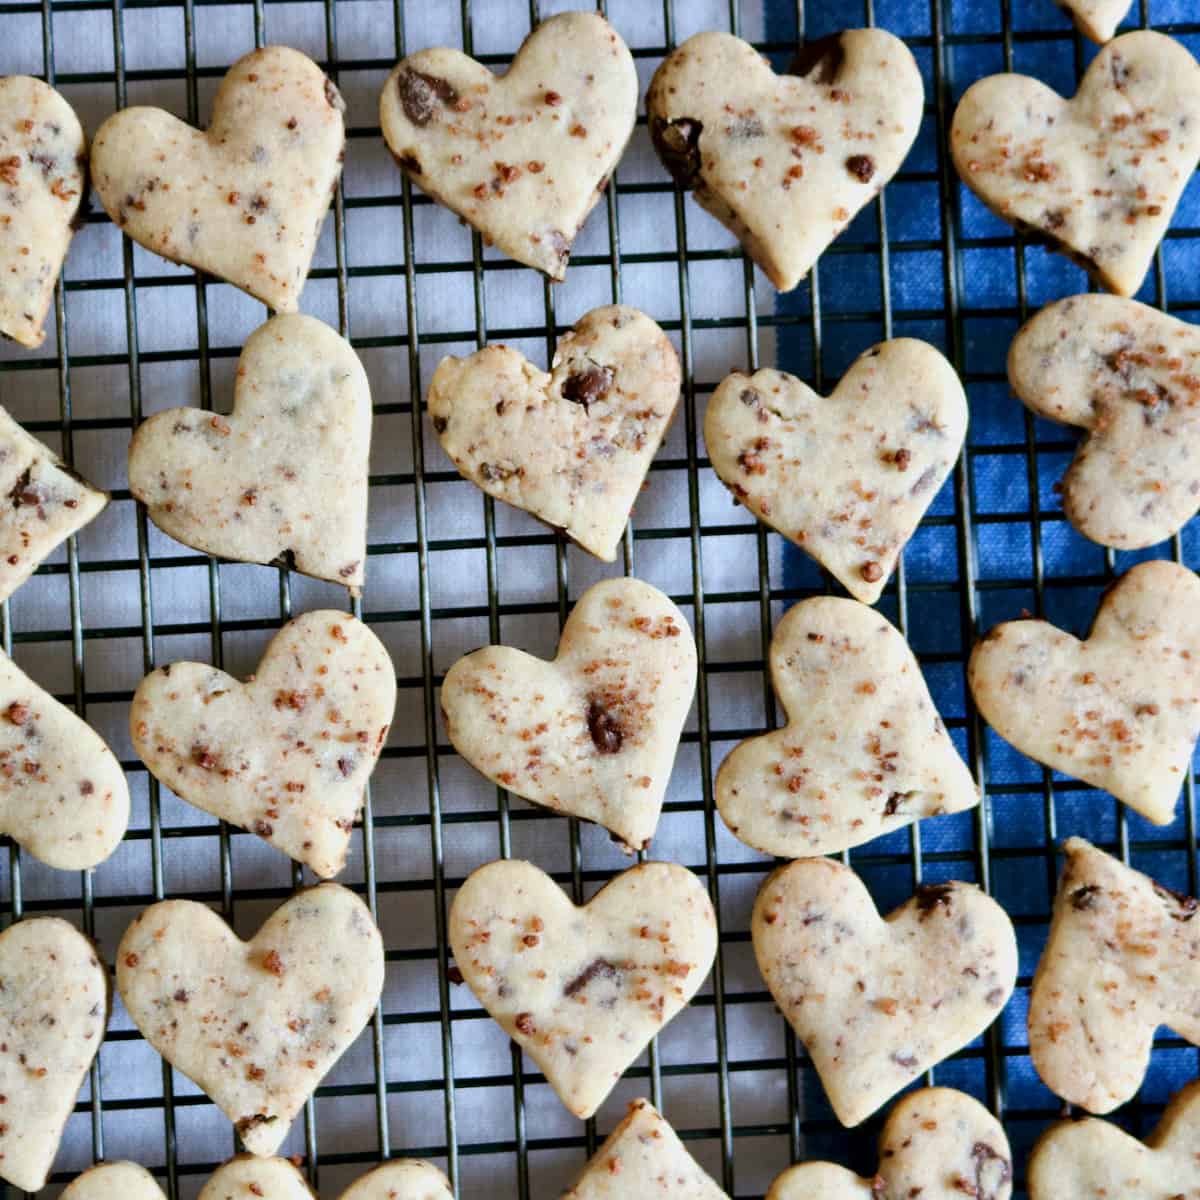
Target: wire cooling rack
432, 1076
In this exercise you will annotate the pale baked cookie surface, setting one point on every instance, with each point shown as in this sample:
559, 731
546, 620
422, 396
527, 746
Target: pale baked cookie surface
43, 186
254, 1024
592, 734
877, 1001
1096, 19
863, 751
573, 446
400, 1179
846, 477
1121, 710
583, 990
114, 1181
785, 161
245, 200
1098, 175
247, 1177
522, 158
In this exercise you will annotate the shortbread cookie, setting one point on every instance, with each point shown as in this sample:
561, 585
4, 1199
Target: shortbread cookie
64, 797
848, 477
1123, 957
286, 754
245, 200
1121, 710
116, 1181
863, 751
247, 1177
937, 1144
53, 1010
254, 1024
46, 502
1095, 1160
401, 1179
1129, 376
592, 734
876, 1001
43, 187
785, 161
583, 990
643, 1159
283, 478
523, 157
572, 447
1097, 176
1096, 19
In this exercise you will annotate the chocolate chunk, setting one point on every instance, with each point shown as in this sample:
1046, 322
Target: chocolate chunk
862, 167
820, 60
1083, 897
605, 729
419, 93
678, 145
333, 97
597, 968
931, 896
583, 387
1180, 907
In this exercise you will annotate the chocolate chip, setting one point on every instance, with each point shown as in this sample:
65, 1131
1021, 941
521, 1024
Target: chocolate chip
439, 424
821, 60
524, 1023
872, 572
995, 1166
931, 896
605, 729
862, 167
584, 387
597, 968
333, 97
418, 93
1181, 907
1082, 898
453, 975
409, 162
678, 145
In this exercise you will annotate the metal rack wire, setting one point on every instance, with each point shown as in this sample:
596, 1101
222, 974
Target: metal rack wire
981, 555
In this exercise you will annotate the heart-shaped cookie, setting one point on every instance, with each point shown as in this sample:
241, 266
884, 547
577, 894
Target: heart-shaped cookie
244, 201
43, 184
1129, 376
283, 478
571, 447
583, 990
1123, 957
1096, 19
63, 795
1121, 710
254, 1024
877, 1001
643, 1159
1097, 176
848, 477
592, 734
937, 1143
522, 158
863, 751
785, 161
53, 1010
286, 754
1088, 1159
46, 503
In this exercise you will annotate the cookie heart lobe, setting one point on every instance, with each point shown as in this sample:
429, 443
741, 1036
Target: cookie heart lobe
53, 1010
286, 754
522, 158
572, 447
1097, 176
43, 170
848, 477
592, 734
1129, 376
114, 1181
785, 161
1121, 710
401, 1179
284, 476
1095, 19
583, 990
877, 1001
244, 201
863, 751
254, 1024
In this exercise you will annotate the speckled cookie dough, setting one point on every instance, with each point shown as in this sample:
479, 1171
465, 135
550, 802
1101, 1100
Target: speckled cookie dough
938, 1144
785, 161
877, 1001
1098, 176
53, 1010
115, 1181
286, 754
1129, 376
254, 1024
283, 478
244, 201
583, 990
63, 795
1094, 1160
1123, 957
863, 751
592, 734
43, 186
246, 1177
401, 1179
572, 447
1121, 710
522, 158
643, 1159
1096, 19
848, 477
